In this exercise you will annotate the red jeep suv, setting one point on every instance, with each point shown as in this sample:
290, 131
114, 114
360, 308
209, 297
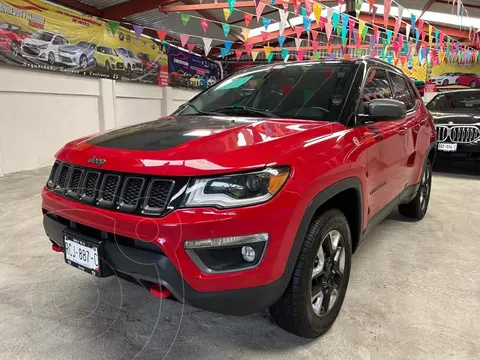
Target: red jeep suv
253, 194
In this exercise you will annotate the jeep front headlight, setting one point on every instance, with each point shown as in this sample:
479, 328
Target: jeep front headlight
228, 191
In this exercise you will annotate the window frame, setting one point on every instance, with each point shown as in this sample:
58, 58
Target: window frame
408, 83
362, 88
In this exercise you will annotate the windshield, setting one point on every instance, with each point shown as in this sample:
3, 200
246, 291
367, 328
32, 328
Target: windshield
84, 44
144, 57
110, 51
43, 36
456, 101
315, 91
130, 54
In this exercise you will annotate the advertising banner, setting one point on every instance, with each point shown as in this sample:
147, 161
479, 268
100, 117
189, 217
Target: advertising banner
191, 71
40, 35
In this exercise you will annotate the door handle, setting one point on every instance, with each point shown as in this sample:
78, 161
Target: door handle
402, 130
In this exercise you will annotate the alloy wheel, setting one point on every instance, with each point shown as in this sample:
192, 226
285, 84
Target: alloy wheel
83, 62
14, 48
51, 58
425, 188
473, 84
328, 272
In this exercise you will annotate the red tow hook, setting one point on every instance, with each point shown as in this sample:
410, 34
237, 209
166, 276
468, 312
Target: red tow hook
57, 248
159, 291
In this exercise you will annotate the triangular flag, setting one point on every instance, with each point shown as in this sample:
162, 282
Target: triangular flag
283, 20
328, 30
300, 55
259, 10
264, 36
204, 23
298, 31
430, 34
361, 26
351, 26
207, 45
387, 4
329, 48
227, 45
226, 29
238, 54
375, 33
223, 52
269, 57
267, 50
254, 55
113, 26
281, 40
344, 28
396, 28
389, 36
285, 55
184, 38
245, 33
420, 24
185, 18
372, 41
400, 11
266, 22
335, 18
138, 31
161, 35
231, 5
370, 5
315, 45
317, 11
296, 5
248, 48
407, 30
316, 55
309, 6
306, 23
226, 13
248, 17
298, 42
358, 7
314, 34
364, 32
190, 47
412, 22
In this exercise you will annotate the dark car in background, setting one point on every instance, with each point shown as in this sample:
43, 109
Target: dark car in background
457, 121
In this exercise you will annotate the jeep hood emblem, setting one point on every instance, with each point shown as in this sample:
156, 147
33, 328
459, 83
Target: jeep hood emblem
97, 161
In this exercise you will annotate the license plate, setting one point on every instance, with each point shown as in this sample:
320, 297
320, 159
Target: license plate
82, 254
447, 147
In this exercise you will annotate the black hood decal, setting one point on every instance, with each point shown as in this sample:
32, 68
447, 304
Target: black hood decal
165, 133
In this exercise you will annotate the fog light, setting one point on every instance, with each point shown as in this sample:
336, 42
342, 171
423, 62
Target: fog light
248, 253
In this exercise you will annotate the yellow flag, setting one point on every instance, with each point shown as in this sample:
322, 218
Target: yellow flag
245, 32
267, 50
317, 11
361, 25
415, 60
442, 55
254, 55
226, 13
430, 34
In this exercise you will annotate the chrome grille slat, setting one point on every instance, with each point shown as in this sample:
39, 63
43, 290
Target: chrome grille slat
461, 134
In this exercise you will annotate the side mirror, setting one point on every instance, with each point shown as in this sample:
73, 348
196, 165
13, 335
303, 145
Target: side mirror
384, 109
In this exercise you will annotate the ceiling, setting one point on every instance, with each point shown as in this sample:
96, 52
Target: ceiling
146, 13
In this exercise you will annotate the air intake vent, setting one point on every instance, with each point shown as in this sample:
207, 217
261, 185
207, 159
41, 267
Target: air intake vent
108, 190
53, 175
131, 192
157, 195
90, 185
73, 187
62, 178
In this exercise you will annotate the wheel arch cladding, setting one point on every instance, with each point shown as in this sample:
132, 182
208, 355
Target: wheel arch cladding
346, 196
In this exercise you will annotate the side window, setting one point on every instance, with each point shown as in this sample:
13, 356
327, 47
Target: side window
376, 87
57, 41
63, 40
401, 91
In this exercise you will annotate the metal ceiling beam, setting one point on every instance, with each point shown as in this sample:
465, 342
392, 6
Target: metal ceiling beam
77, 5
427, 6
120, 11
221, 5
473, 6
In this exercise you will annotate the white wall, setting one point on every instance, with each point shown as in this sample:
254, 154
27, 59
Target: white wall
41, 111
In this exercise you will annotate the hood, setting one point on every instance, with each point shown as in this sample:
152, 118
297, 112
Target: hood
456, 118
196, 145
71, 49
36, 42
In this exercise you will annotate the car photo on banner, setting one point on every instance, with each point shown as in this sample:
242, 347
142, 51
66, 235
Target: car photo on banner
11, 38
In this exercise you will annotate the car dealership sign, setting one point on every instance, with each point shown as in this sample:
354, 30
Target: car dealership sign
39, 35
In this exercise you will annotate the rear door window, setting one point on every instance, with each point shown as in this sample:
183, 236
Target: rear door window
401, 91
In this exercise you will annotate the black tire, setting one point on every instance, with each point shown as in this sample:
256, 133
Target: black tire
417, 208
445, 82
51, 58
294, 311
15, 49
473, 84
83, 62
129, 70
107, 66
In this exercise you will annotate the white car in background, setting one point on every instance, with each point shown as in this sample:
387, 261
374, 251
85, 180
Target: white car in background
446, 78
131, 61
43, 45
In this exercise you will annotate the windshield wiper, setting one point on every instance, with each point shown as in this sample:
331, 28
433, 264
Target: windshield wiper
201, 112
244, 110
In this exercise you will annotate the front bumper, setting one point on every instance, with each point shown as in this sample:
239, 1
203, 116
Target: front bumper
154, 267
279, 217
469, 151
